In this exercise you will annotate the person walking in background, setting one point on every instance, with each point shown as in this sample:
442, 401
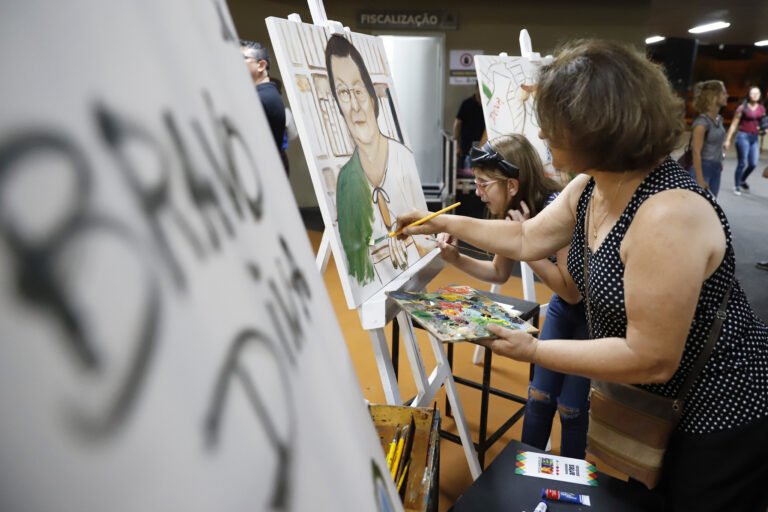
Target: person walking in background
763, 265
762, 132
746, 120
708, 134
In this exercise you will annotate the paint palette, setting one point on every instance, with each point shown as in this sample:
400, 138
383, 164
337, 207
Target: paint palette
458, 313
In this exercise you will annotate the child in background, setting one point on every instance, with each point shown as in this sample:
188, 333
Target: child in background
510, 180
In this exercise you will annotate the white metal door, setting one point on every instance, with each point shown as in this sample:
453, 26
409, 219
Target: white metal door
417, 64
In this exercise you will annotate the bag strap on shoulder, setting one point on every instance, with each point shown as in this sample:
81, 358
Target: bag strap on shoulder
586, 265
714, 331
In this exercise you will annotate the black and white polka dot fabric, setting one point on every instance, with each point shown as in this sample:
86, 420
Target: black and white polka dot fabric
732, 389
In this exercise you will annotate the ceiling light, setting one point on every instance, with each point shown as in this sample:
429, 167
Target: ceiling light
654, 39
764, 42
709, 27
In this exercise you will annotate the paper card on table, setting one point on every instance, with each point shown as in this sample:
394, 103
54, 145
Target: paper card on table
554, 467
457, 313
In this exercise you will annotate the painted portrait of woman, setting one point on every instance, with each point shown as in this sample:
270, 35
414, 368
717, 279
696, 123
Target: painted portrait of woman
379, 181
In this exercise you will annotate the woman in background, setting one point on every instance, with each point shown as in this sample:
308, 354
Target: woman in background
708, 134
510, 180
747, 121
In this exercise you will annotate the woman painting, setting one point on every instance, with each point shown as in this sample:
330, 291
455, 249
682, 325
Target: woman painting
659, 263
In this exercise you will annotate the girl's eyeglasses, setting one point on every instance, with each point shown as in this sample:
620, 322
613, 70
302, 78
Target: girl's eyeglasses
482, 185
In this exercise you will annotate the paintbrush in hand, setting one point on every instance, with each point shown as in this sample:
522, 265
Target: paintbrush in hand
456, 245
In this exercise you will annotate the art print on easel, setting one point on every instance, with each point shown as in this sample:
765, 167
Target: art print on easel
506, 86
363, 171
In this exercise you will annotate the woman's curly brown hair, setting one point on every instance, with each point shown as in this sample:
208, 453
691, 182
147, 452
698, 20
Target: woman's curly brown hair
609, 104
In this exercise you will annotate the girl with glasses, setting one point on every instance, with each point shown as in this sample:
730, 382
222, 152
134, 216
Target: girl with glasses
510, 180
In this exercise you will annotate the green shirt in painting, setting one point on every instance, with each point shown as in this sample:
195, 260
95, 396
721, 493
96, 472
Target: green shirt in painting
354, 211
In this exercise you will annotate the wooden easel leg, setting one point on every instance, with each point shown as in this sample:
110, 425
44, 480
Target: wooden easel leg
428, 387
458, 410
478, 354
323, 252
424, 395
384, 363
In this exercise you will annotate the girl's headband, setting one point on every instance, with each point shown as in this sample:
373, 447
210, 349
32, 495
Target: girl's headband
487, 157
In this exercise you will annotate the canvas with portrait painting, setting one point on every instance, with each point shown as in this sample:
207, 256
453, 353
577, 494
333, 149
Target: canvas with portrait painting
363, 171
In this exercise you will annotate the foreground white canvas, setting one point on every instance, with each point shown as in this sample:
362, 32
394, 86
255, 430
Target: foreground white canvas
506, 93
361, 165
165, 342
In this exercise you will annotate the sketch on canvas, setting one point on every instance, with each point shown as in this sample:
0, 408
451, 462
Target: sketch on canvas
363, 171
506, 91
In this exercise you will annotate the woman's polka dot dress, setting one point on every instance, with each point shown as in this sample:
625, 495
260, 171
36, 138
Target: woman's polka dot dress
732, 389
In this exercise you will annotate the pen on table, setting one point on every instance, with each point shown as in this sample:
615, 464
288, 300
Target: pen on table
425, 219
392, 447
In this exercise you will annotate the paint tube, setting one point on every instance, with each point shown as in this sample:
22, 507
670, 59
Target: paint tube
552, 494
541, 507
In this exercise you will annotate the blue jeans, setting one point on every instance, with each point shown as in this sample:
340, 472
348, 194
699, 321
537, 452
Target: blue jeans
711, 171
747, 149
550, 391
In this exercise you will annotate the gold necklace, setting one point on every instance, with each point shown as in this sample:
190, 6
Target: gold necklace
597, 225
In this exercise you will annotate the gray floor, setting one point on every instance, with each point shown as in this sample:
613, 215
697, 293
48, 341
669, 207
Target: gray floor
748, 217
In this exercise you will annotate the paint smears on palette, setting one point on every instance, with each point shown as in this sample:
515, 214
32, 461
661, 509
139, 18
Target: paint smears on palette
458, 313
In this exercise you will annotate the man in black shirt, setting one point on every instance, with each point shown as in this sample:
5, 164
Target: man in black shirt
469, 125
257, 59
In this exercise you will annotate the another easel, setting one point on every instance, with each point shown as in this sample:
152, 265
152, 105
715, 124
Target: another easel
376, 312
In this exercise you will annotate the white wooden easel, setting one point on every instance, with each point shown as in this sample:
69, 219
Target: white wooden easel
376, 312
